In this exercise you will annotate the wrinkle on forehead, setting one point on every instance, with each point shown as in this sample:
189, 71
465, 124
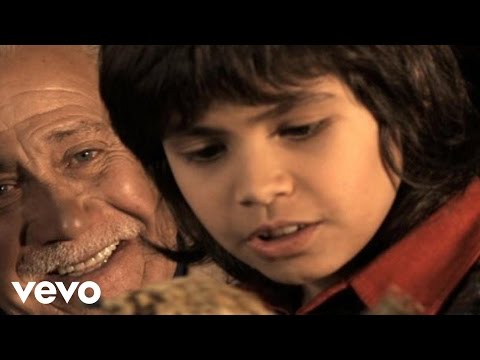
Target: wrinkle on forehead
59, 89
36, 80
52, 105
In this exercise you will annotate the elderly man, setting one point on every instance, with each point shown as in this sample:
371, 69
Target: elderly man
75, 204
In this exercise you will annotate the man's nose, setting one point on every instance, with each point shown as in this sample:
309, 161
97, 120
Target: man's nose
261, 179
55, 213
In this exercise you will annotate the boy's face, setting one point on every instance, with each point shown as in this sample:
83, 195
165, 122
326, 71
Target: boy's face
294, 192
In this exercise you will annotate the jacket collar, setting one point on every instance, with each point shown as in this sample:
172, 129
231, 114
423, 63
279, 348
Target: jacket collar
427, 264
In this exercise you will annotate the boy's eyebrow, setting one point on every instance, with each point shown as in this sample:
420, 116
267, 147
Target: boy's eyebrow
201, 131
289, 104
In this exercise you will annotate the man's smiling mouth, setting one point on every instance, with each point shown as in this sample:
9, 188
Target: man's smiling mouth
88, 265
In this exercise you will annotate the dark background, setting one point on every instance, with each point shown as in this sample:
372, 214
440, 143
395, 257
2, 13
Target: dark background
469, 58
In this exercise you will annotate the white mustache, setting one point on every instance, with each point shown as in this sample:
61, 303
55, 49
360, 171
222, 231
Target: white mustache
41, 261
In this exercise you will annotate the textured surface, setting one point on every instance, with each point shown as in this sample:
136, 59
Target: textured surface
191, 295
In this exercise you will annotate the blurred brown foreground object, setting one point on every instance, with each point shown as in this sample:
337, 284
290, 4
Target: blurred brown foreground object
190, 295
202, 295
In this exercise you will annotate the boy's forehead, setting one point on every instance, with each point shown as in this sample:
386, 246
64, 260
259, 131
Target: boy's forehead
261, 112
313, 92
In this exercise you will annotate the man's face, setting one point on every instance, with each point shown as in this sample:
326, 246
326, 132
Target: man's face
75, 205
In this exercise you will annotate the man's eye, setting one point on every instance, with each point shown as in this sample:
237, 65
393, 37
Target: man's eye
302, 131
84, 156
206, 154
9, 194
5, 188
8, 191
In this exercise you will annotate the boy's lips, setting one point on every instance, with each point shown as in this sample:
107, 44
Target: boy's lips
279, 228
282, 239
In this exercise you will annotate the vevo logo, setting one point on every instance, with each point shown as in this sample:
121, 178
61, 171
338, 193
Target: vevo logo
47, 288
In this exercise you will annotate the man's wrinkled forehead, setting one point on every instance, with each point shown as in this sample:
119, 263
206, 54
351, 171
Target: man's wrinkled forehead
41, 80
31, 107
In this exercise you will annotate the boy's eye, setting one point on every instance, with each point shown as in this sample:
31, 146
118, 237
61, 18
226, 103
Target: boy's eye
207, 153
302, 131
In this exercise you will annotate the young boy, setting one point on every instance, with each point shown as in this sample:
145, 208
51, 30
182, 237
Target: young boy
339, 174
